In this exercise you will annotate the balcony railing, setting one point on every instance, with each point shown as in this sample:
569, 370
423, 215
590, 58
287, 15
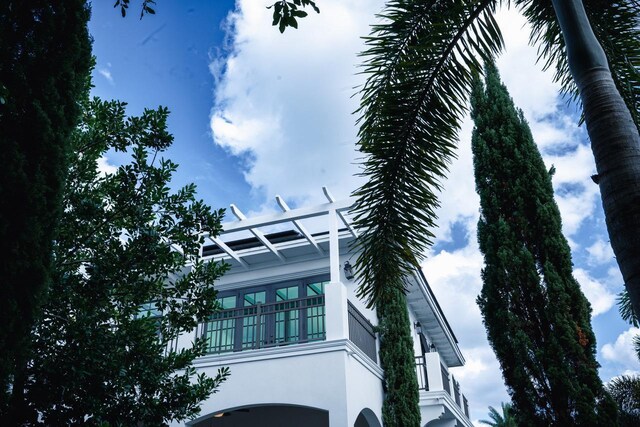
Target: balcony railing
434, 376
466, 406
361, 332
445, 379
423, 380
266, 325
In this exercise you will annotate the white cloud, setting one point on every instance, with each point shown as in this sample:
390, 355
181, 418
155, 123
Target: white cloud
104, 167
600, 253
285, 99
455, 279
481, 381
459, 200
532, 90
621, 351
598, 294
106, 73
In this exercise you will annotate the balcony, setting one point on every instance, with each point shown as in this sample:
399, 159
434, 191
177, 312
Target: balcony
282, 323
434, 379
265, 325
361, 332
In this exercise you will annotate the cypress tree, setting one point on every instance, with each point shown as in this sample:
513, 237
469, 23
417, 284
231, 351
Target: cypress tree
401, 401
536, 317
45, 58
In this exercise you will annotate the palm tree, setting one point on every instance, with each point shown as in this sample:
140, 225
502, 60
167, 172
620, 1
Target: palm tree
625, 391
420, 61
504, 420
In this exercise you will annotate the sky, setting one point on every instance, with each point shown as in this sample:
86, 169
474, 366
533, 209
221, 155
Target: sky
256, 114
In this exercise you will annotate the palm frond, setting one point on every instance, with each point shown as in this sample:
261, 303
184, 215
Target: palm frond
626, 309
625, 390
616, 25
505, 420
496, 418
419, 64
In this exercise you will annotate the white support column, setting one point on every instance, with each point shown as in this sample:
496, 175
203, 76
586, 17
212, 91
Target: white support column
434, 374
335, 291
334, 247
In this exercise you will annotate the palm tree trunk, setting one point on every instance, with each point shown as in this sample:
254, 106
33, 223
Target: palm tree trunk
614, 141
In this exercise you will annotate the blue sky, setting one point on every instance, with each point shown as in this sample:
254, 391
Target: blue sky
164, 60
256, 113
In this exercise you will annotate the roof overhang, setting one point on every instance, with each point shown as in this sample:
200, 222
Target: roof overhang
432, 320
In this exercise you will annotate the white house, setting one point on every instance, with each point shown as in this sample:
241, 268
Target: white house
301, 347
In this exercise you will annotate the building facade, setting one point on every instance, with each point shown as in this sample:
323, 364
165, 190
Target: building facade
301, 347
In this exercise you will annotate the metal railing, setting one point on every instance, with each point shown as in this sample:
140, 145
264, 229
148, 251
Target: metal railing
266, 325
361, 332
422, 370
445, 379
421, 366
466, 405
456, 392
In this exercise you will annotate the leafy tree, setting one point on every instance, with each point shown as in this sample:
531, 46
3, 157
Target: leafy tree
284, 12
45, 57
127, 280
537, 319
420, 61
625, 390
505, 420
401, 398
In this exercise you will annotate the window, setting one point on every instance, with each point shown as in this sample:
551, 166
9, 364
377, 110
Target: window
315, 311
150, 310
250, 321
287, 315
221, 329
268, 316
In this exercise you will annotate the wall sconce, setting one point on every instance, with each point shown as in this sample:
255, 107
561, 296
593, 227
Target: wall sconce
348, 270
418, 327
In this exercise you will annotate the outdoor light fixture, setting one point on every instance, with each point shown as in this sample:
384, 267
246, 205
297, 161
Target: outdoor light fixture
348, 270
418, 327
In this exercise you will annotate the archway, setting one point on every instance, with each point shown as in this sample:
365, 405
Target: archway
366, 418
265, 416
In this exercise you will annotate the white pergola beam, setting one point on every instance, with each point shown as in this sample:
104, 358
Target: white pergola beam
233, 254
285, 208
257, 233
301, 213
331, 199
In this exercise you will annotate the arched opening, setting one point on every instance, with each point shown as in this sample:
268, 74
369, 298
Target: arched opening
366, 418
265, 416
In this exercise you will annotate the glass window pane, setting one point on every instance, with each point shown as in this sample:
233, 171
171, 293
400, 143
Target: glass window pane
315, 311
250, 321
315, 288
220, 330
287, 316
